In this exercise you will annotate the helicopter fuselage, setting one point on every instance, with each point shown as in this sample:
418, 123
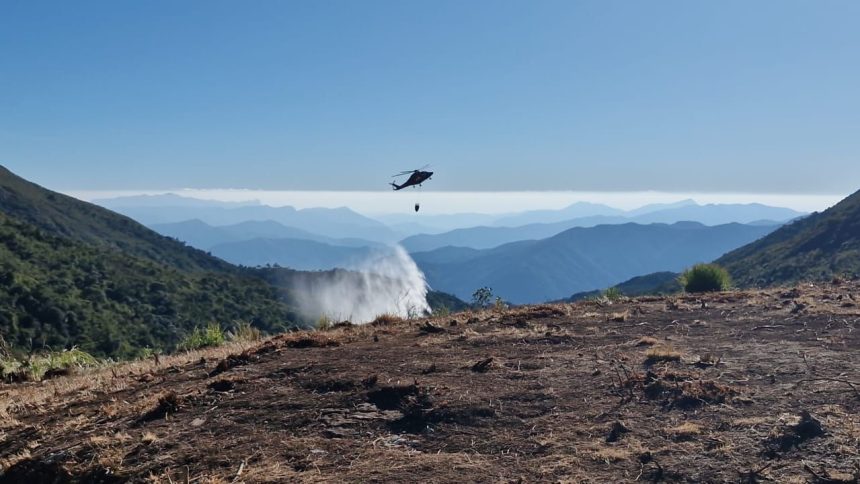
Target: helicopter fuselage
416, 178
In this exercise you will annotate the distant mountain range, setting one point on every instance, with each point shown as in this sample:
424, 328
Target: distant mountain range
573, 211
818, 247
302, 254
814, 248
580, 259
204, 236
329, 222
487, 237
554, 254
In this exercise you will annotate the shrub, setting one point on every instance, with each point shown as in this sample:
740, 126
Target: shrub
46, 365
245, 331
500, 304
705, 278
324, 323
612, 294
211, 335
386, 319
481, 297
441, 312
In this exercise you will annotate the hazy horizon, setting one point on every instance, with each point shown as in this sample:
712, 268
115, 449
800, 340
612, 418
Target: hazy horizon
387, 202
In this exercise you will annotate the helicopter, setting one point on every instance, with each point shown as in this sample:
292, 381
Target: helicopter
416, 177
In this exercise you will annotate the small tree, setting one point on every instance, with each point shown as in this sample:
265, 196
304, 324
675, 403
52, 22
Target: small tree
482, 297
705, 278
211, 335
612, 294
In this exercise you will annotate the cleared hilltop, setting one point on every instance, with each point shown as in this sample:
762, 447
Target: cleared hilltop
728, 387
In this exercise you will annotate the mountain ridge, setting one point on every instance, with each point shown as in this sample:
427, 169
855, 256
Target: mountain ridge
580, 259
483, 237
818, 247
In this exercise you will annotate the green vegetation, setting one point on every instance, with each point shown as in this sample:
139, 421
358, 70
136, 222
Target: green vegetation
69, 218
705, 278
74, 274
612, 294
481, 297
818, 247
655, 283
56, 293
443, 302
44, 365
441, 312
211, 335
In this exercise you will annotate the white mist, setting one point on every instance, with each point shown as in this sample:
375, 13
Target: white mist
388, 282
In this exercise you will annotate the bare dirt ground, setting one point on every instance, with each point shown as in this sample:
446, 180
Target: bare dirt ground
730, 387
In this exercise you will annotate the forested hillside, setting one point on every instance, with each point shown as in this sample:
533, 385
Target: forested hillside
71, 218
72, 273
818, 247
59, 292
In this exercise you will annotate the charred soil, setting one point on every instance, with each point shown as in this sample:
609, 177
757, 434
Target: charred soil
726, 387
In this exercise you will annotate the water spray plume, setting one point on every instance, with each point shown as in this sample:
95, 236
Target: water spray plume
389, 282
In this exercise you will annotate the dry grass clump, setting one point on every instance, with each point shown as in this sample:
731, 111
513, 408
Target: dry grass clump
10, 460
168, 403
685, 431
386, 319
620, 317
694, 392
646, 341
708, 360
750, 421
246, 332
657, 354
148, 438
611, 454
310, 340
679, 389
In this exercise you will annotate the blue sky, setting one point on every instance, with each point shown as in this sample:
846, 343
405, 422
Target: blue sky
729, 96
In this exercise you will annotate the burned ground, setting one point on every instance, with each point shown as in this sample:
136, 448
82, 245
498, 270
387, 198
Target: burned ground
729, 387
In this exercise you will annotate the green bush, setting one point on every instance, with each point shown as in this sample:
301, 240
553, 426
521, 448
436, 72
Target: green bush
441, 311
705, 278
211, 335
36, 367
612, 294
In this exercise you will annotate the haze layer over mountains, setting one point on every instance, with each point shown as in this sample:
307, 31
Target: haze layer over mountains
525, 257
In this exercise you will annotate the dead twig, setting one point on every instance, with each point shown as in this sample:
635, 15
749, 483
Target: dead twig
239, 472
753, 476
824, 477
851, 384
